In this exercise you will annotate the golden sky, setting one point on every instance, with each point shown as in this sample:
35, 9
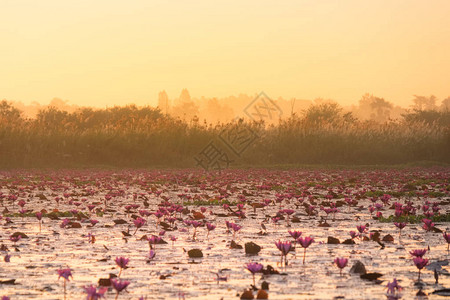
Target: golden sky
107, 52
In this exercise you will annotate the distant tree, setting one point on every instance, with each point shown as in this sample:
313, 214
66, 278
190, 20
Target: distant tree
163, 102
326, 112
8, 113
378, 108
445, 105
424, 103
185, 96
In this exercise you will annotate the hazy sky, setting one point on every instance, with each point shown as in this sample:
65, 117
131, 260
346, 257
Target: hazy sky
106, 52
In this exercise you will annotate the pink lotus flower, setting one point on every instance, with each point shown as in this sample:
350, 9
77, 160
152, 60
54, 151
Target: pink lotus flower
420, 263
393, 287
418, 252
210, 228
119, 285
428, 224
341, 263
254, 267
138, 222
122, 263
93, 294
295, 234
447, 239
65, 273
361, 229
284, 247
305, 242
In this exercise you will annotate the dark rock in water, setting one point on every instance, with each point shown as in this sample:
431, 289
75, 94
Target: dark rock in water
358, 268
104, 282
235, 245
442, 292
53, 216
295, 220
371, 276
324, 224
74, 225
222, 215
269, 270
265, 285
247, 295
195, 253
252, 248
41, 197
262, 294
9, 281
333, 240
375, 236
435, 229
388, 238
21, 234
348, 242
126, 233
165, 225
120, 221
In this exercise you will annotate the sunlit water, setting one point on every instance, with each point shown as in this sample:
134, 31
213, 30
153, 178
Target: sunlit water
35, 263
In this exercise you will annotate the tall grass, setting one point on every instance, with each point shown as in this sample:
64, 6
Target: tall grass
143, 137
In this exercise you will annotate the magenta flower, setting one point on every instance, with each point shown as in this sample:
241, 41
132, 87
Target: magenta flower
119, 285
93, 294
254, 267
420, 263
153, 240
151, 254
64, 223
428, 224
284, 247
305, 242
195, 224
295, 234
393, 287
6, 298
210, 228
341, 263
39, 217
138, 222
65, 273
447, 239
418, 252
122, 263
361, 228
400, 226
235, 228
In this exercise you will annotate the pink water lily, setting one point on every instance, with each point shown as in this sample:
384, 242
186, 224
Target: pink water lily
122, 263
305, 242
420, 263
341, 263
284, 247
254, 267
